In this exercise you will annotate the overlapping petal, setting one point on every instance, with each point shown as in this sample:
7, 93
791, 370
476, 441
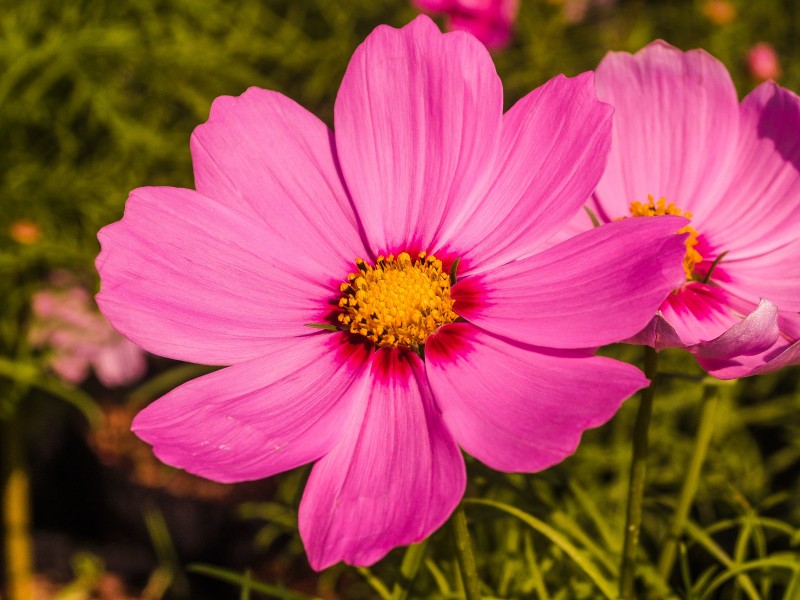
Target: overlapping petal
268, 156
676, 121
187, 277
699, 312
393, 478
599, 287
552, 153
276, 412
758, 216
754, 334
758, 212
417, 123
525, 408
784, 351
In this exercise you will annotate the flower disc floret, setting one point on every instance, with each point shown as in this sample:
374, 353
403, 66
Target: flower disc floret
397, 302
654, 209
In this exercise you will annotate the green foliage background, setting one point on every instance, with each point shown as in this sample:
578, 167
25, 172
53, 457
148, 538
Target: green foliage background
99, 97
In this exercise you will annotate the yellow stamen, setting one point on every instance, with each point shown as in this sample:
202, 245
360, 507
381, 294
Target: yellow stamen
654, 209
398, 302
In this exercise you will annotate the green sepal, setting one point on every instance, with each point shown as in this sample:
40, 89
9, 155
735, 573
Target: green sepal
714, 266
453, 270
326, 326
592, 216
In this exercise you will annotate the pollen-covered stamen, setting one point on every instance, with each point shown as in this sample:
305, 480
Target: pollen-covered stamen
654, 209
397, 302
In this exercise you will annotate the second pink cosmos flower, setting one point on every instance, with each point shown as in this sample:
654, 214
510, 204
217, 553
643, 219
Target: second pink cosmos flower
683, 144
292, 226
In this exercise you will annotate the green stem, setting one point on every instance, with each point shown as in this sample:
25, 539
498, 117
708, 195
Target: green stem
16, 518
705, 429
412, 560
633, 518
466, 558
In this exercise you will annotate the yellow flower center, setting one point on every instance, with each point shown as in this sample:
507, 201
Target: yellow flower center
398, 302
654, 209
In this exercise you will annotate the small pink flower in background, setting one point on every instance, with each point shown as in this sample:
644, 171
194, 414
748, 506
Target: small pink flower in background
79, 338
719, 12
491, 21
683, 144
762, 60
317, 265
25, 231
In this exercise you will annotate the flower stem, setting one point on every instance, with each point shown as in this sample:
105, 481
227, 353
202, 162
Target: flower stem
466, 558
16, 518
705, 429
412, 560
633, 518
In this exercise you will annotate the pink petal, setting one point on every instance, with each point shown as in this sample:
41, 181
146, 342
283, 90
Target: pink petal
252, 420
70, 366
784, 351
699, 312
553, 151
418, 121
186, 277
658, 333
268, 156
758, 218
520, 408
395, 476
434, 5
754, 334
599, 287
491, 21
119, 363
775, 274
675, 128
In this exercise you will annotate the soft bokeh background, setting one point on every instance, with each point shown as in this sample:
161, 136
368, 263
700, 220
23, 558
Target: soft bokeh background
99, 97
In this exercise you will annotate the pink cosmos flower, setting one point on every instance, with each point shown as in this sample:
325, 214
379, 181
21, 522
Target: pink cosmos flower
80, 338
682, 144
491, 21
762, 60
292, 226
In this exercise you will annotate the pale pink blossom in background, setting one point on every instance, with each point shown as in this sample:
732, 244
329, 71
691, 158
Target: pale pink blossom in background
78, 338
491, 21
762, 61
422, 159
680, 134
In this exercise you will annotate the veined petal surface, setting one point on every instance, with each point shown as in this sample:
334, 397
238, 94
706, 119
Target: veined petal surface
676, 122
261, 417
599, 287
759, 213
754, 334
267, 155
785, 351
395, 476
553, 150
700, 312
417, 122
187, 277
521, 408
658, 333
758, 218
